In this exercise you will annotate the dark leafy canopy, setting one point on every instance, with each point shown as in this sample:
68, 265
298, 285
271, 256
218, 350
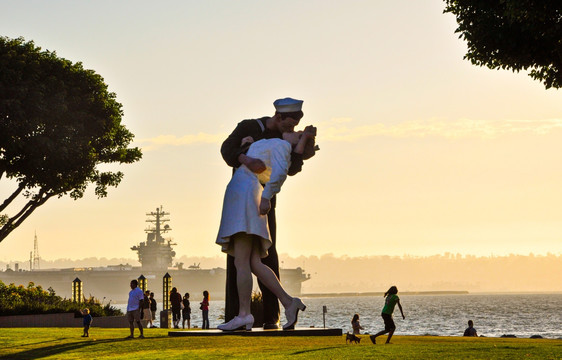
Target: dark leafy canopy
58, 122
513, 34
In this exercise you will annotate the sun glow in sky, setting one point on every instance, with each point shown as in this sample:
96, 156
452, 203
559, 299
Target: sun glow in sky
421, 152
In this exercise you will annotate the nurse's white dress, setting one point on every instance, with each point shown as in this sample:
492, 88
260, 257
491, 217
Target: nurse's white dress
240, 210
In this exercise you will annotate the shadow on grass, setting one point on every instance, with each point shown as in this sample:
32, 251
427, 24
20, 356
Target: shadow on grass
44, 342
46, 351
312, 350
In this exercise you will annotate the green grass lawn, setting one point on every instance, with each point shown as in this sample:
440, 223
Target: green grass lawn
67, 343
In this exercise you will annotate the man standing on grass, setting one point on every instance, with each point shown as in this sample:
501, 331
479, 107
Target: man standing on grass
134, 308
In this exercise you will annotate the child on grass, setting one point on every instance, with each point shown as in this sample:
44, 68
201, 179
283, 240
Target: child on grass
87, 322
356, 325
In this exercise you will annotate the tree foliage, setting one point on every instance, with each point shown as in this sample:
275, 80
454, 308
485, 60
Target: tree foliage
513, 34
58, 123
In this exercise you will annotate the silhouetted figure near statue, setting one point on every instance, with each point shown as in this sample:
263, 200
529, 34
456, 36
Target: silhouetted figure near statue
176, 301
153, 308
390, 302
186, 311
146, 314
470, 330
204, 307
233, 151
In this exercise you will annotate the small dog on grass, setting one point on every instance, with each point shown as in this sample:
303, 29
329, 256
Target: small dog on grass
352, 338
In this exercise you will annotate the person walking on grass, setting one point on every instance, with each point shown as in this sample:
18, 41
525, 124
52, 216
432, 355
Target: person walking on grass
390, 302
136, 297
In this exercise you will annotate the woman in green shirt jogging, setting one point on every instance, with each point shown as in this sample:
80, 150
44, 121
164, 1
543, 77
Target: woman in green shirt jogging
391, 300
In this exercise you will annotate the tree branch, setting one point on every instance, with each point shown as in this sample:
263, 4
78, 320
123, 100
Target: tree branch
24, 213
12, 197
34, 206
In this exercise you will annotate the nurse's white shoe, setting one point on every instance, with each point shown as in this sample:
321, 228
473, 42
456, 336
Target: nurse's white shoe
292, 313
238, 323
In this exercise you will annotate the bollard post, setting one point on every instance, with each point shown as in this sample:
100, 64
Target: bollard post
166, 288
166, 313
77, 290
143, 285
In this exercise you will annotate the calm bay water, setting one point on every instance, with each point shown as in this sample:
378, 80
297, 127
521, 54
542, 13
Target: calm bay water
494, 315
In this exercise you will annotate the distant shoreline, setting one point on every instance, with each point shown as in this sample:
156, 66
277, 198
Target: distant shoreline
379, 293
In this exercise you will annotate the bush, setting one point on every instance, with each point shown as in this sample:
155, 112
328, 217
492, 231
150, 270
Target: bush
19, 300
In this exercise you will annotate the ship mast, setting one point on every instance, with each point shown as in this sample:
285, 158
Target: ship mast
158, 221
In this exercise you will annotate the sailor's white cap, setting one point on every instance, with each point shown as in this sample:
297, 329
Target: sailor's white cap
287, 105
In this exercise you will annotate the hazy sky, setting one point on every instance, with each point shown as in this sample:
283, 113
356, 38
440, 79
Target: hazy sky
421, 152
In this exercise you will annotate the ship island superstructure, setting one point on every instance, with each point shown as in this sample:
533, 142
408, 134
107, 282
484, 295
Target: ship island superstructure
156, 256
156, 253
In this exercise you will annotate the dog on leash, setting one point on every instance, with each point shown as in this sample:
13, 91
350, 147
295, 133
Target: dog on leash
352, 338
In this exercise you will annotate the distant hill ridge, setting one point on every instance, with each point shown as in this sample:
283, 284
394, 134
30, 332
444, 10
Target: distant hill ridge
330, 274
380, 293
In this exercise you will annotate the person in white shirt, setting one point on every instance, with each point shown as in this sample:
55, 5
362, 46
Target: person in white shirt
244, 231
134, 309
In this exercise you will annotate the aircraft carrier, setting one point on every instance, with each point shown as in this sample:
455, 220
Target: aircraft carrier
156, 255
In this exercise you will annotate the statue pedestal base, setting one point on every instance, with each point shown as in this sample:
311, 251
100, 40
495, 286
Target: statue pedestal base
260, 332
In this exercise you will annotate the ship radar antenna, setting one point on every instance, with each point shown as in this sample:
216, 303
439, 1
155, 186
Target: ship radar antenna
36, 265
